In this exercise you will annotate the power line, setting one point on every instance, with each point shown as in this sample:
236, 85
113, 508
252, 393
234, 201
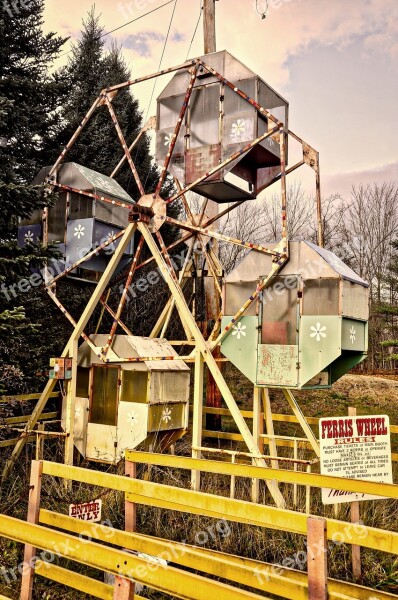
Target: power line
196, 28
137, 19
156, 79
124, 24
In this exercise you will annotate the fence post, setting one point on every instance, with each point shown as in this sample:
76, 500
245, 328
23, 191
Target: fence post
33, 517
124, 589
258, 429
355, 518
317, 559
40, 442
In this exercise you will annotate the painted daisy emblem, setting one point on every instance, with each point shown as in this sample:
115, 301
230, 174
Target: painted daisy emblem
28, 237
239, 330
168, 139
318, 332
79, 231
238, 128
166, 415
132, 418
353, 334
77, 411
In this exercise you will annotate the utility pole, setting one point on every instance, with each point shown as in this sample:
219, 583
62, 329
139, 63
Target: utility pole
213, 305
209, 25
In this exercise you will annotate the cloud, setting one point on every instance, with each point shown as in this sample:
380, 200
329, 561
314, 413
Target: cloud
341, 183
294, 27
178, 37
141, 42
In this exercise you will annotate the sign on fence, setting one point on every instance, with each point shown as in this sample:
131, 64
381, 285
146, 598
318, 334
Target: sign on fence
356, 448
88, 511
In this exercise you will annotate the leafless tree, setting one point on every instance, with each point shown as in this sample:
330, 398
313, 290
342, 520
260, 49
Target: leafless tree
370, 226
259, 221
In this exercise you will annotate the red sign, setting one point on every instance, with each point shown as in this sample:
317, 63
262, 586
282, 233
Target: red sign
88, 511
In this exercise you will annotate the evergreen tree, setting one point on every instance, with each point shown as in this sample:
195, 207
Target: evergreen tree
90, 70
29, 124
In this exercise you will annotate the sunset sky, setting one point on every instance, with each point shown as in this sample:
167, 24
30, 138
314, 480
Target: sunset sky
336, 61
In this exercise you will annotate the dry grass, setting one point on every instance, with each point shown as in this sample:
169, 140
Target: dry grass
367, 393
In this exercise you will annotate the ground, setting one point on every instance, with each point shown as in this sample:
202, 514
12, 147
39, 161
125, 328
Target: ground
370, 394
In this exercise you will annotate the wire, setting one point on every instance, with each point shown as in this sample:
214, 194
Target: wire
265, 12
196, 29
156, 79
125, 24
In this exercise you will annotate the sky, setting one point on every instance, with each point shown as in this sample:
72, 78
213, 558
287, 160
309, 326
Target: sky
335, 61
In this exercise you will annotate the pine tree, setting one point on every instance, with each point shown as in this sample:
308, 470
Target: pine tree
29, 123
90, 70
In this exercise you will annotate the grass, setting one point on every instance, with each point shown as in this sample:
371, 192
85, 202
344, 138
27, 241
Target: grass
370, 395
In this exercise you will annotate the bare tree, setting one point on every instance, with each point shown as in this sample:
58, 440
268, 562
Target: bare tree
260, 221
370, 226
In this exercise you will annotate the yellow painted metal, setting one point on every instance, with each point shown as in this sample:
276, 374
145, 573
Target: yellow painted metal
34, 417
25, 397
169, 580
197, 424
270, 427
283, 475
253, 573
203, 347
233, 568
283, 443
182, 500
70, 405
257, 431
302, 420
25, 418
4, 597
248, 414
94, 588
12, 442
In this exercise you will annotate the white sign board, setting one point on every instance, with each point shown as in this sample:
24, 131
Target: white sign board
88, 511
356, 448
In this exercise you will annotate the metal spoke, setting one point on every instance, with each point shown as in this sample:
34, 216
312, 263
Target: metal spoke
124, 145
177, 129
123, 298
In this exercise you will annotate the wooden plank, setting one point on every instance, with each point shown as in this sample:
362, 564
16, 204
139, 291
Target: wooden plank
355, 518
33, 517
317, 559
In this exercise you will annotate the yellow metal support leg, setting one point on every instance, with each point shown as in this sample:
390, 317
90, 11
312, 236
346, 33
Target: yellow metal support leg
203, 347
197, 417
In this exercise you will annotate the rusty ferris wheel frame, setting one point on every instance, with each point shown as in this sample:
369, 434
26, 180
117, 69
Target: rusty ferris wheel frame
147, 216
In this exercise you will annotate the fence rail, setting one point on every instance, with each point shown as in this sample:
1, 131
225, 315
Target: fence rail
88, 543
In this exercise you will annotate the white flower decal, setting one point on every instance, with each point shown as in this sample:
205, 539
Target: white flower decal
318, 332
352, 334
166, 415
111, 234
79, 231
238, 128
239, 330
132, 418
28, 237
168, 139
77, 411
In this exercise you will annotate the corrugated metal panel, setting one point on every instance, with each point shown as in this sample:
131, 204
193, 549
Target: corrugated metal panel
337, 265
355, 301
144, 346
